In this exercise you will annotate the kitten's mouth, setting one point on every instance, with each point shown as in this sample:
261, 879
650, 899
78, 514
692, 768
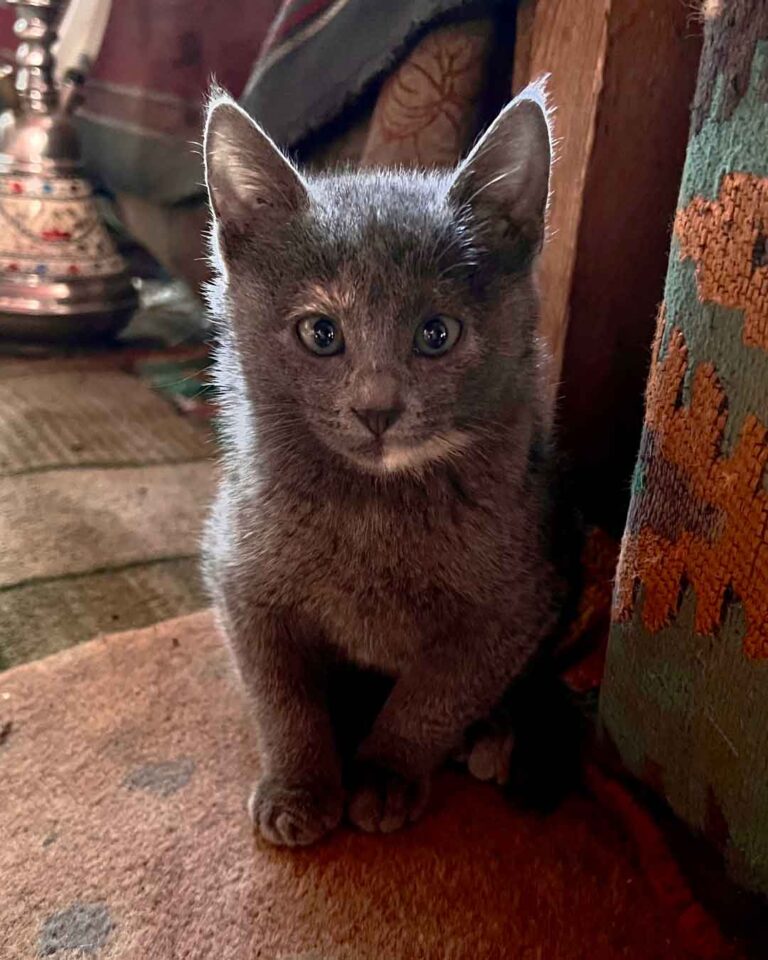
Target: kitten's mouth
392, 456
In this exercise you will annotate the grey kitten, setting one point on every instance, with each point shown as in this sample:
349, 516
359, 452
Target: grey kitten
385, 493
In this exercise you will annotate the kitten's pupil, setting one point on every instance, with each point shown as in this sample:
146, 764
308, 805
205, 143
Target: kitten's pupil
324, 333
435, 334
321, 336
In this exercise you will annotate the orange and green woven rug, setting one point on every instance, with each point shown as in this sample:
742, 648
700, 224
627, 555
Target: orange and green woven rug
685, 696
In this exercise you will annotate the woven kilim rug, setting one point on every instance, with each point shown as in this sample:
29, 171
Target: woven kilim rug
685, 696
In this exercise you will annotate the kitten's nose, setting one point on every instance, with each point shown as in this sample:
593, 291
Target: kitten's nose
378, 421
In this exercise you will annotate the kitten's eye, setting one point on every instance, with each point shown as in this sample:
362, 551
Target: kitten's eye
321, 335
436, 336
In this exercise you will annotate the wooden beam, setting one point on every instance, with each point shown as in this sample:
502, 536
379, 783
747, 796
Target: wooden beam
524, 21
568, 43
622, 77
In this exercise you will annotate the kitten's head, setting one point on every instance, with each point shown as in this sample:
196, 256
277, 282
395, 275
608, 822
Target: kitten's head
388, 315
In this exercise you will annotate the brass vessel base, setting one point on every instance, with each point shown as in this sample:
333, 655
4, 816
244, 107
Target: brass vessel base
64, 311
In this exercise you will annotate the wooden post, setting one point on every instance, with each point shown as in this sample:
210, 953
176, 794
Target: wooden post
622, 78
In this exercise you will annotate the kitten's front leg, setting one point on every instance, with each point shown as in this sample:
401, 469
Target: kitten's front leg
299, 797
424, 720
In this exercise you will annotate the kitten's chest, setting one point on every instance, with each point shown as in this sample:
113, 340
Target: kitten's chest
379, 580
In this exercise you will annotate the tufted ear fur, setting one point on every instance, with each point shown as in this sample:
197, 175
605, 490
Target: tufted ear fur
504, 182
249, 180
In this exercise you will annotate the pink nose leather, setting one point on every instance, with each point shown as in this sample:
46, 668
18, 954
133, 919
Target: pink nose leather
377, 421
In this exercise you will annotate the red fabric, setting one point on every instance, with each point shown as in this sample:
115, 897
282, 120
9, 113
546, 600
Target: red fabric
297, 13
697, 932
158, 57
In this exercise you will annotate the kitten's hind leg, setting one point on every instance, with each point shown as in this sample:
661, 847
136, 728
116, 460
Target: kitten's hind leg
531, 743
489, 751
424, 717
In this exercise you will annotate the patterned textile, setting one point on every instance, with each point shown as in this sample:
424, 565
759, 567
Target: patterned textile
685, 696
322, 55
427, 112
583, 646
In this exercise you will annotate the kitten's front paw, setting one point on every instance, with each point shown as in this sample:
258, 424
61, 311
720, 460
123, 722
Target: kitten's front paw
383, 801
295, 814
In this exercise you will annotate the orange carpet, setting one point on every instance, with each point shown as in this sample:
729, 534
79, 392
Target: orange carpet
126, 763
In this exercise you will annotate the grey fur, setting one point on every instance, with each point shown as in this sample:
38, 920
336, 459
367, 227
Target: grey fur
425, 555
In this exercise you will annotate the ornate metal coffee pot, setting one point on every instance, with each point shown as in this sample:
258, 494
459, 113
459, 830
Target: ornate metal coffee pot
61, 276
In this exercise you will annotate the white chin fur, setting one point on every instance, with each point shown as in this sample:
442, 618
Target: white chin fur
436, 449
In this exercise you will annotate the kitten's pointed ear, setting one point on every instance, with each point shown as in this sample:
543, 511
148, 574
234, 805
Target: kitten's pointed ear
246, 175
504, 181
